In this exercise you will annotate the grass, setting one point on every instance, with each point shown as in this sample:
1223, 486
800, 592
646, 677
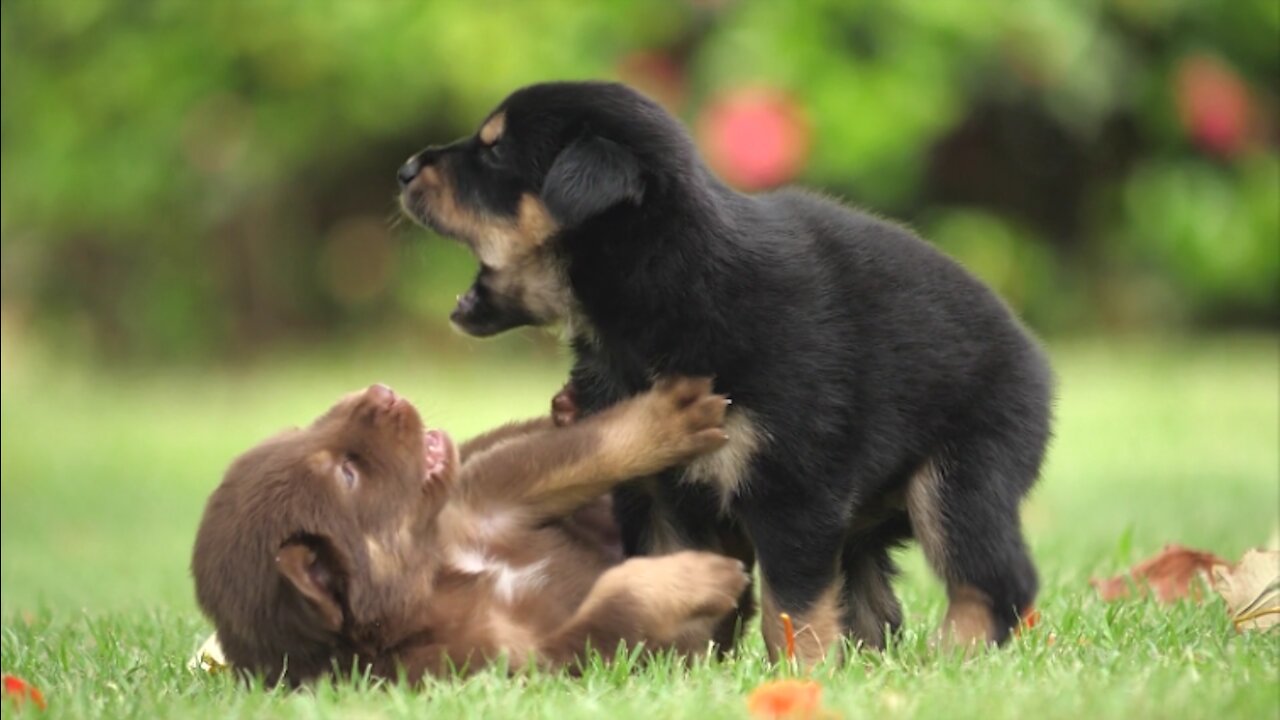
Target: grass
104, 475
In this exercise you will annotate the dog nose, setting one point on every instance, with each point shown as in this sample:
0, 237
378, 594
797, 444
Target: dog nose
380, 393
409, 170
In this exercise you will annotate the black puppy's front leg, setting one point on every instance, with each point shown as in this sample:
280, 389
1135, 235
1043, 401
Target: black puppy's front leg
798, 537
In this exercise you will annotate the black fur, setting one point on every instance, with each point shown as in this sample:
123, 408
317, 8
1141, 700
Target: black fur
588, 177
862, 351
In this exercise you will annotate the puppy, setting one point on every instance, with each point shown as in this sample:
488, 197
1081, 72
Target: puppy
880, 391
365, 541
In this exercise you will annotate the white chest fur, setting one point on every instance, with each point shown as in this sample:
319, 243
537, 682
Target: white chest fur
510, 581
729, 468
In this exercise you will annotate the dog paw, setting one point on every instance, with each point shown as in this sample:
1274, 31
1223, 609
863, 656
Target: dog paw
689, 415
712, 584
564, 406
677, 599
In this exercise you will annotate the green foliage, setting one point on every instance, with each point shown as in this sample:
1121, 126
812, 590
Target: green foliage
184, 178
1214, 233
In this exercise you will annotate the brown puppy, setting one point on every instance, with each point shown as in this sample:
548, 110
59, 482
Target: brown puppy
366, 541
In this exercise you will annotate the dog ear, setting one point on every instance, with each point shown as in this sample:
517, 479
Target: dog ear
588, 177
314, 568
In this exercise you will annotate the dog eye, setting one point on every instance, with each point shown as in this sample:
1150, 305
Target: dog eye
349, 473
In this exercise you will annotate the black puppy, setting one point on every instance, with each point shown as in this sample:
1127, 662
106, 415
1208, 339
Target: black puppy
880, 391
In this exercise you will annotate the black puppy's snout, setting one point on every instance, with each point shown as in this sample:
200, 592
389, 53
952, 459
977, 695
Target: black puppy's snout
416, 164
409, 170
466, 306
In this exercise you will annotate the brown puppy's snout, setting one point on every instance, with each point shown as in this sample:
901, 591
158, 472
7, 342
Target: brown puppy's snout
380, 395
389, 412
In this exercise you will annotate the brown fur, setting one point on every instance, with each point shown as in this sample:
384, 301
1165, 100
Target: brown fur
303, 573
968, 620
817, 630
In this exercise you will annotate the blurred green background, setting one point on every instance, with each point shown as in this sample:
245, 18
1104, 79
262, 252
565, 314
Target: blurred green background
200, 241
201, 181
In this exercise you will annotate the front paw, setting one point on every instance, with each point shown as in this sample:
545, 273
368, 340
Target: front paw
688, 416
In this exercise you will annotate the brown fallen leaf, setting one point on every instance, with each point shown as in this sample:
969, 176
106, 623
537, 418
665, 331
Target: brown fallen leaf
1251, 588
1168, 575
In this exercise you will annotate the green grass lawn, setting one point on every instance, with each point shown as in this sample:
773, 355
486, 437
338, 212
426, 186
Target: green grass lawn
104, 476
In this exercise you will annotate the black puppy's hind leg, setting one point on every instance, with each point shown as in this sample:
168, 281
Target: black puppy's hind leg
872, 610
964, 512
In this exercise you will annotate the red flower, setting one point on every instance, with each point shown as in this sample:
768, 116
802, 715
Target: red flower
755, 137
1214, 104
19, 691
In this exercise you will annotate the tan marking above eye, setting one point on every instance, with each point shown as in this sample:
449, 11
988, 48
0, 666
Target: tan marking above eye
321, 462
493, 128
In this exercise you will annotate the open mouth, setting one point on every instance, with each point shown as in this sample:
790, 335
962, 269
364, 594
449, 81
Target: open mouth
437, 451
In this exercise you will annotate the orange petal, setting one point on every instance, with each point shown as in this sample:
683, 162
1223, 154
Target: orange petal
789, 632
20, 691
1030, 619
789, 699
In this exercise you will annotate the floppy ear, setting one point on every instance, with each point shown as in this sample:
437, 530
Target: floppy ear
588, 177
313, 568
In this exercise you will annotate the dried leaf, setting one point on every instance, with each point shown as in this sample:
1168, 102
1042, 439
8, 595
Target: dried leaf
1168, 575
1030, 619
1251, 588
